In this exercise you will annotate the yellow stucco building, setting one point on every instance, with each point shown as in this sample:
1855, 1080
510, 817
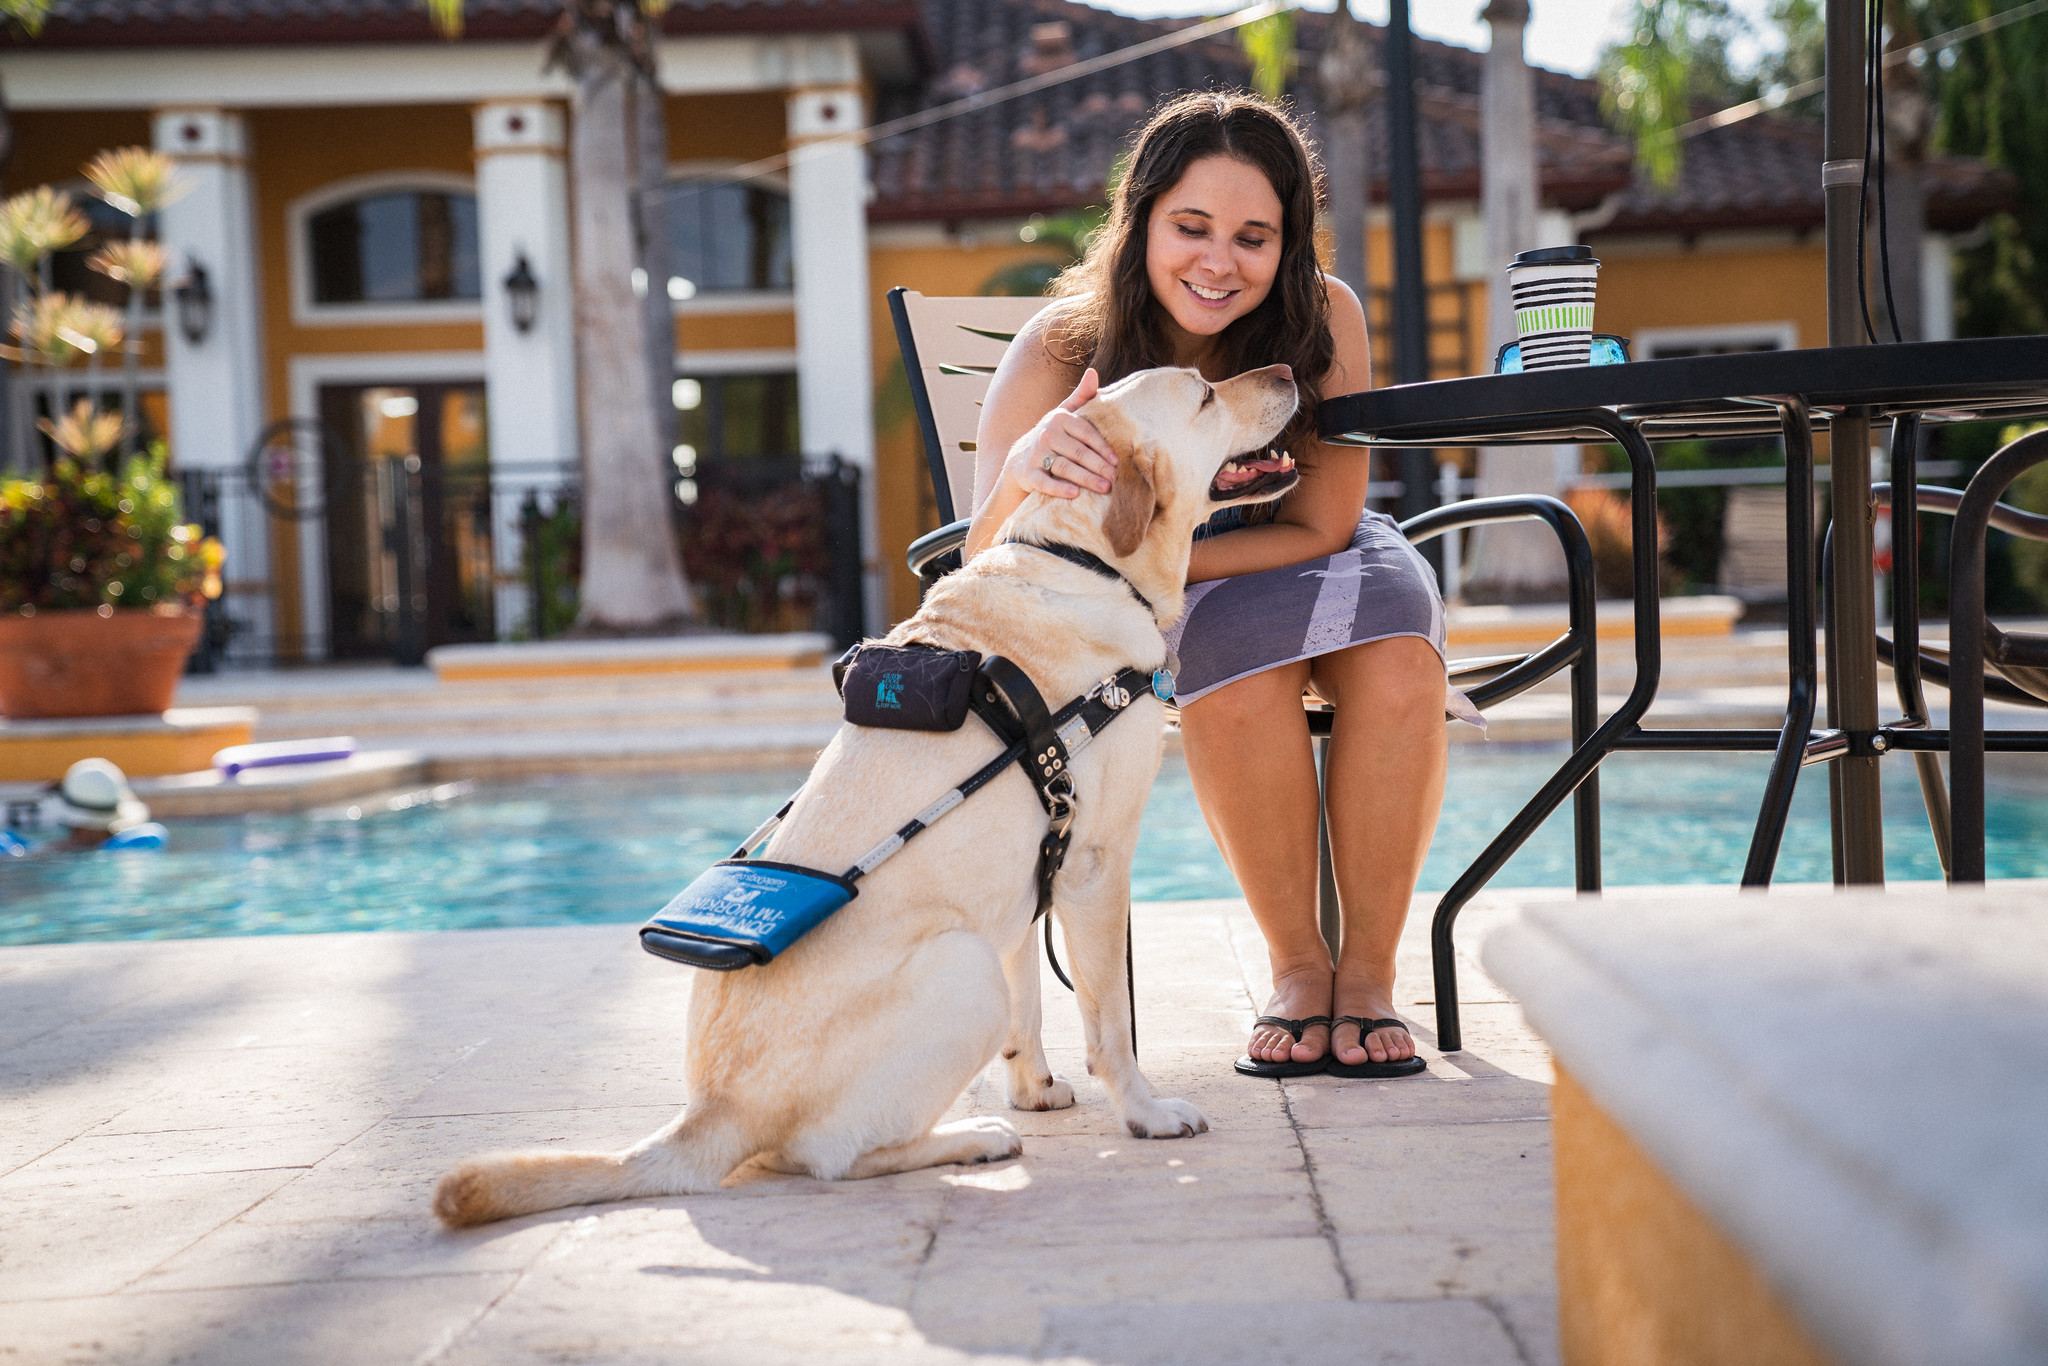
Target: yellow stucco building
365, 200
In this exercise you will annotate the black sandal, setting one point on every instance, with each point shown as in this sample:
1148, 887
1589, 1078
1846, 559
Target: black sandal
1369, 1069
1251, 1067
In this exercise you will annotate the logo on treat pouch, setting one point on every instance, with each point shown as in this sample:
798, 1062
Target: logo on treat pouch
889, 692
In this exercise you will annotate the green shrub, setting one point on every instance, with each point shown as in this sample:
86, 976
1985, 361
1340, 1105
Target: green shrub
84, 538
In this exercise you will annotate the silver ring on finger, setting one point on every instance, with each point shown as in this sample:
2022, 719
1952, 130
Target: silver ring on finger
1046, 464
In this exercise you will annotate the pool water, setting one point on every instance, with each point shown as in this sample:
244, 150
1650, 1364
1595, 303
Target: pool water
587, 850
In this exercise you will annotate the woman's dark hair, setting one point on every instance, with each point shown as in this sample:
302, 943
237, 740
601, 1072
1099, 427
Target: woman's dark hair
1115, 324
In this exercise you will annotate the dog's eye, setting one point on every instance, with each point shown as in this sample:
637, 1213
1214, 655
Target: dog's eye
1208, 397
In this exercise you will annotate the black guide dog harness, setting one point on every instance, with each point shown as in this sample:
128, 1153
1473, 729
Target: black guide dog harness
744, 911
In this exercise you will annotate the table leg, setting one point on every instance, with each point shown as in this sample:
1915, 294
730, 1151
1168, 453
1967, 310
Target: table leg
1585, 759
1799, 646
1905, 499
1858, 813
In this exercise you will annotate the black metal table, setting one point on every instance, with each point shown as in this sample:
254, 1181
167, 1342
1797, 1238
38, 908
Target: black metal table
1788, 394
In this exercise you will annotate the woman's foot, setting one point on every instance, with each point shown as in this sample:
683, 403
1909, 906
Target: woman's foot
1300, 995
1389, 1043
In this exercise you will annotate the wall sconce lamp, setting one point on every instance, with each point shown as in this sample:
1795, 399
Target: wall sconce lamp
195, 304
522, 292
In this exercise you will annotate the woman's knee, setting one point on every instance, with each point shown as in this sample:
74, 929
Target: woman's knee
1388, 678
1255, 700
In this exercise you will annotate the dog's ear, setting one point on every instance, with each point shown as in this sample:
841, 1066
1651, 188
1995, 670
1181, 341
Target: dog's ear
1132, 500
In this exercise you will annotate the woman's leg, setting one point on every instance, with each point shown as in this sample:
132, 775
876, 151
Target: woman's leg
1386, 779
1254, 773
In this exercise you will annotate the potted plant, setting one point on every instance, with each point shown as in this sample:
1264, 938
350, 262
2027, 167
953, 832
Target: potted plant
101, 579
102, 583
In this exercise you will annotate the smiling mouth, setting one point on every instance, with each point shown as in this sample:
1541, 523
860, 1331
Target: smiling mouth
1206, 294
1250, 474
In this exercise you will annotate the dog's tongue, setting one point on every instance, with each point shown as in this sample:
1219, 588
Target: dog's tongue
1237, 473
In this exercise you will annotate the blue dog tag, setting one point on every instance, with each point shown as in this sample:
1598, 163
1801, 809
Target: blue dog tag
742, 912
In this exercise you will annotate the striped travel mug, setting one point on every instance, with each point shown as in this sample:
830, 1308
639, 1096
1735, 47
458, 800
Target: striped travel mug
1553, 293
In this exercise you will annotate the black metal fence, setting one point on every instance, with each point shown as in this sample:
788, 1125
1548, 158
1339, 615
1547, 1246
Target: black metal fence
338, 558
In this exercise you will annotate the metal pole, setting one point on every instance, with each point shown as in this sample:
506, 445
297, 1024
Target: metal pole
1411, 299
1852, 625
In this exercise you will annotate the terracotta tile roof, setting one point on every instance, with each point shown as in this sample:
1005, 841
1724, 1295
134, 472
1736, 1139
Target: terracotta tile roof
1765, 172
1051, 151
129, 23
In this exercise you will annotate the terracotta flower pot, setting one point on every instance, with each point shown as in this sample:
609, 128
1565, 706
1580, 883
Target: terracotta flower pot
84, 664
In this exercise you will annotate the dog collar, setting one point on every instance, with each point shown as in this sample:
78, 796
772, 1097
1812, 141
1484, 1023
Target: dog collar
1073, 554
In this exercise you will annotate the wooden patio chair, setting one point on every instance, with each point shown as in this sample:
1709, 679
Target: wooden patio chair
951, 347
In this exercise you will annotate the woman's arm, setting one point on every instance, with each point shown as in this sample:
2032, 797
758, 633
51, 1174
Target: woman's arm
1320, 515
1029, 416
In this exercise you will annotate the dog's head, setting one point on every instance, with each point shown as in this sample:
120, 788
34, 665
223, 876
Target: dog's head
1185, 448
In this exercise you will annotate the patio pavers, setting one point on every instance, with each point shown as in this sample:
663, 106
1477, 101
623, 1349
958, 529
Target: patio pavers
222, 1151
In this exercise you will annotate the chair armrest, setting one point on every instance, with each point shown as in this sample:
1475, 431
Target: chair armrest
936, 554
2028, 526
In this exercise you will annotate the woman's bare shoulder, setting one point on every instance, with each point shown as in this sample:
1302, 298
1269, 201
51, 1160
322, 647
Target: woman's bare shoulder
1046, 346
1351, 368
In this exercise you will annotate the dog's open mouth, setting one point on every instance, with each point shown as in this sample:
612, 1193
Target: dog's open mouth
1251, 474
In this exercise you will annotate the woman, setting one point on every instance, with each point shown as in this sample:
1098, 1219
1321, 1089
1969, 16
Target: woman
1208, 261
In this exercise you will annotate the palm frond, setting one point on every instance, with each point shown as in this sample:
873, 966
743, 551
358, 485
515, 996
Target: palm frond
446, 15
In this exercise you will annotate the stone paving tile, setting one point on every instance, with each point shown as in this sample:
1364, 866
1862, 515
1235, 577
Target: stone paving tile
1459, 1179
182, 1152
1533, 1321
504, 1075
390, 1170
993, 1293
250, 1251
1478, 1265
95, 1235
1067, 1191
318, 1323
1279, 1332
682, 1279
1436, 1098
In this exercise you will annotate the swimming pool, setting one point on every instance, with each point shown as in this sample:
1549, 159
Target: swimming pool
588, 850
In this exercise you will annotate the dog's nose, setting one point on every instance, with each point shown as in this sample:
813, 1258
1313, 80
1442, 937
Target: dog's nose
1282, 372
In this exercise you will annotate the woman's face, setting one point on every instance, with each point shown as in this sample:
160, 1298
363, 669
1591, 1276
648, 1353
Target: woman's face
1212, 246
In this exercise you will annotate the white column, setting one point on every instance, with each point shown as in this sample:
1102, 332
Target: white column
215, 384
828, 197
1516, 562
529, 376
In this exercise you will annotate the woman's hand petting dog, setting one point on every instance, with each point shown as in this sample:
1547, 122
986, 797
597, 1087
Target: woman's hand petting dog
1064, 455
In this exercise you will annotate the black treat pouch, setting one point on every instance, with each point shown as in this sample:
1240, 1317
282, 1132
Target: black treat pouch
906, 687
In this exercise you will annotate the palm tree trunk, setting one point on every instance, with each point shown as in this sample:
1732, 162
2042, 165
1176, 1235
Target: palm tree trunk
632, 572
650, 120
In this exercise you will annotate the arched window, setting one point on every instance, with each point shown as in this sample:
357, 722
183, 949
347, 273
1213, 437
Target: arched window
395, 246
727, 235
68, 269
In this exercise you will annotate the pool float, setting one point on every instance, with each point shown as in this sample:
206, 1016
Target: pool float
235, 759
12, 845
148, 835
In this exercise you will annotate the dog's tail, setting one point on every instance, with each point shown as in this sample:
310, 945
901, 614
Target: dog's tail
695, 1154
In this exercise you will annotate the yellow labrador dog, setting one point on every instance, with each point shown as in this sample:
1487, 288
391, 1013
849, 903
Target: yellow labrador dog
838, 1057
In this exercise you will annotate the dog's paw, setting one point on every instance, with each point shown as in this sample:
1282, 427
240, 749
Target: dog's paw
1048, 1093
984, 1138
1167, 1119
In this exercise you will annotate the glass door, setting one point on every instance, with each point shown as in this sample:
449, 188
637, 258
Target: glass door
409, 550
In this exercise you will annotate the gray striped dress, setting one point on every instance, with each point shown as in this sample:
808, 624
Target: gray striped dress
1377, 588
